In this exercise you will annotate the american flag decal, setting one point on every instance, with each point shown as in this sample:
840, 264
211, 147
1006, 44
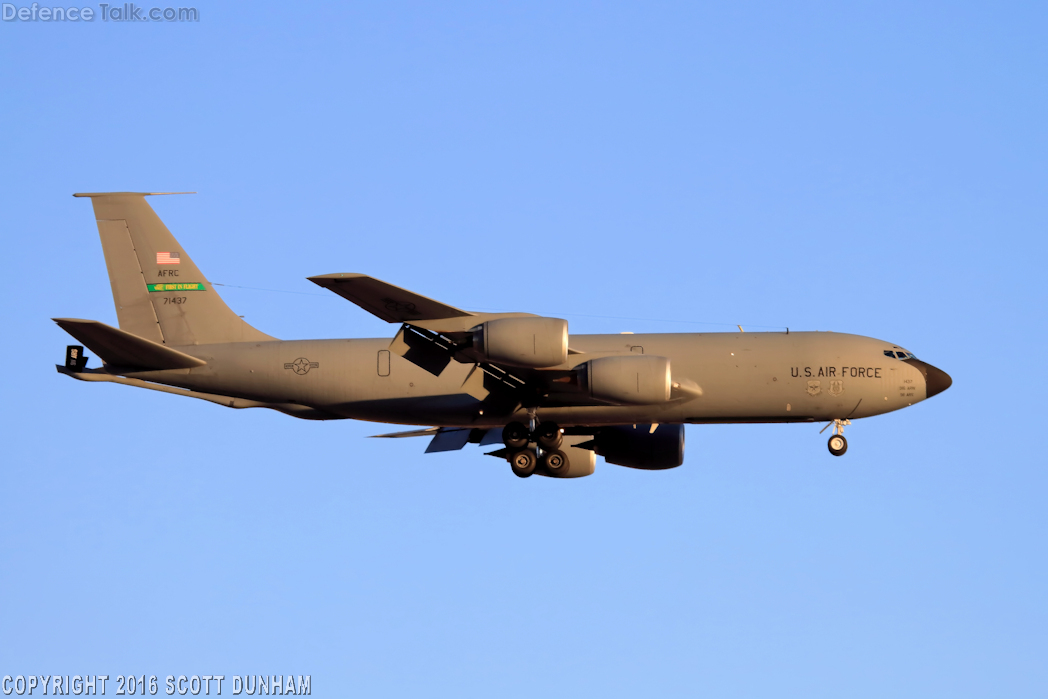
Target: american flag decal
167, 258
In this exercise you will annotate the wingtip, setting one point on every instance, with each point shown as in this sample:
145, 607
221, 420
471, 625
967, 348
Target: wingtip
126, 194
336, 275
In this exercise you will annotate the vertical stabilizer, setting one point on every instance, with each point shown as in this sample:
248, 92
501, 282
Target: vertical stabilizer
160, 295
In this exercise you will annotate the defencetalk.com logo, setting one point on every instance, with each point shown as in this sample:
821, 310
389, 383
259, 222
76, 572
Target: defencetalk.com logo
126, 12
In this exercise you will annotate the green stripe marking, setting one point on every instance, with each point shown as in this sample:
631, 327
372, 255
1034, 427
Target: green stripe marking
193, 286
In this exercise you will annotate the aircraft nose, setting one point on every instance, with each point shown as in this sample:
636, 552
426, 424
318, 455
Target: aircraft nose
935, 379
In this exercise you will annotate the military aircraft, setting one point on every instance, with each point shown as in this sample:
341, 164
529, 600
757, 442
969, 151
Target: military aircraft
550, 400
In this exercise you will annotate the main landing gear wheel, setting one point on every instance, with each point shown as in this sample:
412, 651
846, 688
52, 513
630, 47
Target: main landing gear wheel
523, 463
838, 445
548, 435
556, 463
515, 435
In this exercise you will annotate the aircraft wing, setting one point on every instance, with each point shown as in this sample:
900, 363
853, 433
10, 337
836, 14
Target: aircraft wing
390, 303
433, 335
424, 432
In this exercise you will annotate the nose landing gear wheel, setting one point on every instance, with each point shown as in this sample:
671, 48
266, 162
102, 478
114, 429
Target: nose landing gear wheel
838, 445
548, 435
523, 463
556, 463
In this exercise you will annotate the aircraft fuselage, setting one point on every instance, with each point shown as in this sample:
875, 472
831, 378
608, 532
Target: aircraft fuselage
744, 377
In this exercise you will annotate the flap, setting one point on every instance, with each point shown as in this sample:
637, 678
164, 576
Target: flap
492, 436
449, 439
425, 350
445, 438
122, 349
390, 303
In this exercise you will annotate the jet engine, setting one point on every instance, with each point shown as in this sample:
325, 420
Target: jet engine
638, 379
523, 342
638, 447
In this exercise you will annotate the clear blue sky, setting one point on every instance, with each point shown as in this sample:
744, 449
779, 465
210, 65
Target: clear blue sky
874, 168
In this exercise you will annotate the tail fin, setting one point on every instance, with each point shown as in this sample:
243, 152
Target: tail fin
159, 293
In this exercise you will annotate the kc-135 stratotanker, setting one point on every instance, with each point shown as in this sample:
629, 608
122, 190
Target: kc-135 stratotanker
550, 400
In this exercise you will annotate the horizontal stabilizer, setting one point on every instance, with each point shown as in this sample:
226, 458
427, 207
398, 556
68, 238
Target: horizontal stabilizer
122, 349
390, 303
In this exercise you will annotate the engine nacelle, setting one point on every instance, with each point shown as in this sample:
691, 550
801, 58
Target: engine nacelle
638, 447
637, 379
523, 342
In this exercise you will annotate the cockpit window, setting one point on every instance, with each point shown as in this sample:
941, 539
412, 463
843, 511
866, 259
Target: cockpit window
889, 353
899, 353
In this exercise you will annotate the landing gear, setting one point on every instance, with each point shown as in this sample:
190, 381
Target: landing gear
548, 435
523, 463
556, 463
838, 444
545, 455
515, 435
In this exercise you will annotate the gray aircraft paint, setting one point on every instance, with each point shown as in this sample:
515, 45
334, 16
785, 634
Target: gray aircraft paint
744, 377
